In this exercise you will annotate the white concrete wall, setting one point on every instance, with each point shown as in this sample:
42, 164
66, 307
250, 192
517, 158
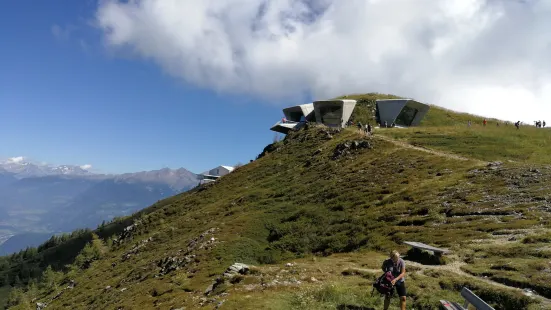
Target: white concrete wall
219, 171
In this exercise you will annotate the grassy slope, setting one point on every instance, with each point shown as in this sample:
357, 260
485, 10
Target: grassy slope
297, 201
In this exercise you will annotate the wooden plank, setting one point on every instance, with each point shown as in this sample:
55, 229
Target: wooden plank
450, 305
426, 247
474, 300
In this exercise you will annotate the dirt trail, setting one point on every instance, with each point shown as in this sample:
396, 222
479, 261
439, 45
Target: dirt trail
431, 151
455, 267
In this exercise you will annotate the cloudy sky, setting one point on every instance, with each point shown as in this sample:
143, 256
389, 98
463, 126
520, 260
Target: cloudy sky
482, 56
145, 84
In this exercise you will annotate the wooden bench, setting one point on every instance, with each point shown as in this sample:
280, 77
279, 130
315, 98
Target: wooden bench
470, 298
426, 247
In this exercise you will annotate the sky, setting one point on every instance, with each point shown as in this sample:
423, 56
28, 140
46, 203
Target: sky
144, 84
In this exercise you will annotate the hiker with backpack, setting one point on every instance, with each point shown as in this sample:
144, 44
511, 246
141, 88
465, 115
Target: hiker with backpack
395, 269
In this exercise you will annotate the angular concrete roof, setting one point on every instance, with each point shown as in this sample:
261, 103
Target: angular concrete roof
295, 113
334, 113
230, 168
404, 112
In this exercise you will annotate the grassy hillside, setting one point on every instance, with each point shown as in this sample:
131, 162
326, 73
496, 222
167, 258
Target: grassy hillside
316, 224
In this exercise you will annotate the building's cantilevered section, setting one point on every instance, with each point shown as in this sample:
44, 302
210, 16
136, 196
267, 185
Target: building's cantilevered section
296, 113
284, 128
334, 113
294, 117
214, 174
402, 112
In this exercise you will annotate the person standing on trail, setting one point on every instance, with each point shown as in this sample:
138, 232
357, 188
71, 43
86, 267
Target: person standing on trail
397, 266
360, 127
484, 122
517, 124
469, 124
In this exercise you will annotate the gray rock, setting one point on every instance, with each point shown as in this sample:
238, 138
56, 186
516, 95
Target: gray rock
40, 305
237, 268
209, 289
213, 286
346, 148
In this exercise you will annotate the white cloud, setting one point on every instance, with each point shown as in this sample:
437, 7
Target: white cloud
488, 57
16, 160
86, 167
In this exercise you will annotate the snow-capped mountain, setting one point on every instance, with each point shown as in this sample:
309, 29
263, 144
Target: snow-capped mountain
21, 168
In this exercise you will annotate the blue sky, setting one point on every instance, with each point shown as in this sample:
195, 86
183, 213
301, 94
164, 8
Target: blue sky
113, 83
66, 100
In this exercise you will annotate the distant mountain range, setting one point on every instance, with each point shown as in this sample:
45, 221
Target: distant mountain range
37, 201
24, 169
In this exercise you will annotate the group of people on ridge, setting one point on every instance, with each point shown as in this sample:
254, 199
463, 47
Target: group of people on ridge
539, 124
367, 129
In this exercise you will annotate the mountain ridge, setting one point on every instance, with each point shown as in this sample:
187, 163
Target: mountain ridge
35, 204
314, 217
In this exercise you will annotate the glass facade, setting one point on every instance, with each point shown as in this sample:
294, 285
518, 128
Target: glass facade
331, 115
406, 116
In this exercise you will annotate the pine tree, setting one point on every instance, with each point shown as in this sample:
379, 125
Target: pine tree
32, 289
17, 282
49, 279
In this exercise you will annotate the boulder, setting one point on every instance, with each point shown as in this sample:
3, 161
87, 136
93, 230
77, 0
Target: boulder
235, 269
40, 306
213, 286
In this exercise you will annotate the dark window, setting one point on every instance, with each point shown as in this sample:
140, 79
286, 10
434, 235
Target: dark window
295, 116
331, 115
406, 116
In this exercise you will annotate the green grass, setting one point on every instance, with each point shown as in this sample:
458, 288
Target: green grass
504, 143
298, 203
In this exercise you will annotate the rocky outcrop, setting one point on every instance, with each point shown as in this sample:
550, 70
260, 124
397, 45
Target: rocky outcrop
270, 148
205, 241
347, 148
232, 271
127, 233
136, 248
169, 264
235, 269
213, 286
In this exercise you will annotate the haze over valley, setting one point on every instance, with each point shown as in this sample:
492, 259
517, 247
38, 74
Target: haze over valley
39, 200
